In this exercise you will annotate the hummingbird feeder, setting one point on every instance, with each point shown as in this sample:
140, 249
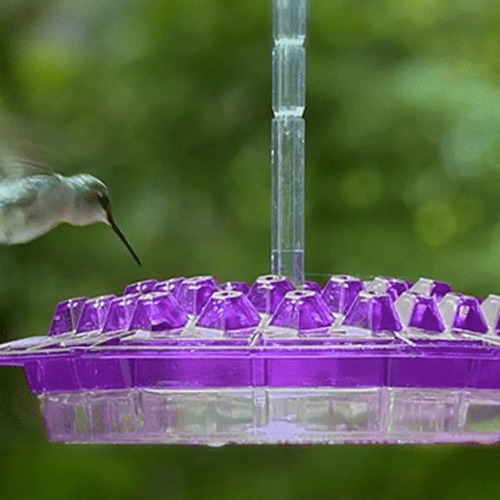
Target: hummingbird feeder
195, 361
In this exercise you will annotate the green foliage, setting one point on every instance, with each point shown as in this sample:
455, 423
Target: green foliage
169, 103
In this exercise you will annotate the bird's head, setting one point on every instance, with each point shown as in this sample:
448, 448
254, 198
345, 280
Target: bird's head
92, 204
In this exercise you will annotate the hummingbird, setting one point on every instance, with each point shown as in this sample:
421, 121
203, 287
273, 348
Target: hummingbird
34, 200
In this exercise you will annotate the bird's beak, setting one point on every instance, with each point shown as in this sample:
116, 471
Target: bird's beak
120, 235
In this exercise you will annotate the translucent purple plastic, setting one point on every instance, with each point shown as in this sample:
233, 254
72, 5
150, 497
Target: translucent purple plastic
66, 316
158, 312
120, 313
267, 291
420, 312
422, 355
93, 314
199, 312
229, 311
194, 293
375, 312
302, 310
341, 291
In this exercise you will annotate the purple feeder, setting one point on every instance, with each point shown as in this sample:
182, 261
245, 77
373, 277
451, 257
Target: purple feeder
192, 361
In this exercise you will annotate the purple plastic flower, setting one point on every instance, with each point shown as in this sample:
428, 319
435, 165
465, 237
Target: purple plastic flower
375, 312
420, 312
94, 313
195, 292
302, 310
437, 289
267, 291
121, 310
158, 312
340, 292
391, 286
66, 316
171, 285
145, 286
462, 312
229, 311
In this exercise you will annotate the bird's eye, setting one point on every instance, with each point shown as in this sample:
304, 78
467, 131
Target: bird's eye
104, 201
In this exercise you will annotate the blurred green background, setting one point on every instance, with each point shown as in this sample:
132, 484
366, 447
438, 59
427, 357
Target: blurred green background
169, 103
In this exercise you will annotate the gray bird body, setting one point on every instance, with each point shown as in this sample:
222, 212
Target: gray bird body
32, 206
34, 200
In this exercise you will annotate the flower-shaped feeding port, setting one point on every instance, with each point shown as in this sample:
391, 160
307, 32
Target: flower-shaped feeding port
194, 293
425, 286
145, 286
303, 311
341, 291
172, 285
230, 312
158, 312
66, 316
268, 291
420, 312
94, 313
120, 313
463, 313
388, 285
375, 312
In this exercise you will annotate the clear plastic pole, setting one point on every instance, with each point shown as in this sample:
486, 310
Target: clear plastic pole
288, 138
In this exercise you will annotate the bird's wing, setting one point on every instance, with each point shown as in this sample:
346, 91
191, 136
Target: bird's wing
15, 167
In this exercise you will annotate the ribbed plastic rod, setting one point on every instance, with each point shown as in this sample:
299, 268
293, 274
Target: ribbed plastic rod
288, 139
